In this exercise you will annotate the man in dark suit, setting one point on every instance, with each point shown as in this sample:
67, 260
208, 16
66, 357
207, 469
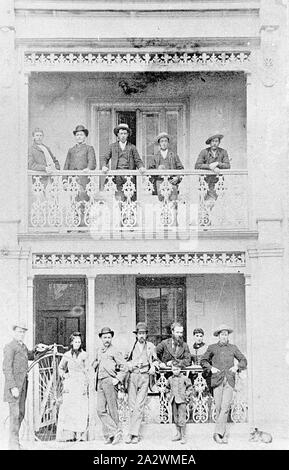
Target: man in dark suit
15, 368
174, 349
123, 156
40, 157
220, 359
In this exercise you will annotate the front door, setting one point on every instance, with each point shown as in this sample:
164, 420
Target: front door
59, 309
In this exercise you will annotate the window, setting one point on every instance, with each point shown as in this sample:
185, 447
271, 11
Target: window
160, 302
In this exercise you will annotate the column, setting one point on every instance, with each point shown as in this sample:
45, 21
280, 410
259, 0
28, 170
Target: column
26, 183
249, 337
90, 346
30, 341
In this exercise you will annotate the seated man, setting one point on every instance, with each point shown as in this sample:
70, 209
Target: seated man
213, 158
166, 159
123, 156
40, 157
174, 349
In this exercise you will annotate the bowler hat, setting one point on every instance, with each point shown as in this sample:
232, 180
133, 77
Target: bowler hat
122, 126
19, 324
162, 134
80, 128
215, 136
222, 328
141, 326
106, 330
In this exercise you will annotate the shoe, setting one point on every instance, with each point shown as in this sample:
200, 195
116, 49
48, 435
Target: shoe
217, 438
178, 436
108, 440
128, 439
183, 434
225, 439
117, 438
135, 440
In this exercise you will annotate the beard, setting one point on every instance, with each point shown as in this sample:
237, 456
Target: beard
178, 341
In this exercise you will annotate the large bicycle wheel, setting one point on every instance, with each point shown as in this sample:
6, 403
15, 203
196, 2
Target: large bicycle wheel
46, 390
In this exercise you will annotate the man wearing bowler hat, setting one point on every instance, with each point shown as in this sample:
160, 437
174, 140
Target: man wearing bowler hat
219, 359
81, 157
111, 369
142, 362
213, 158
166, 159
15, 368
123, 156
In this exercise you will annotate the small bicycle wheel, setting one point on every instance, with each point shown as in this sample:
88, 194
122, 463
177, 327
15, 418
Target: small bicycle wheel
46, 393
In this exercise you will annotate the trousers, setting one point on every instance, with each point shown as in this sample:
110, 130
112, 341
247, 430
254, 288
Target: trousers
16, 416
223, 395
137, 394
107, 408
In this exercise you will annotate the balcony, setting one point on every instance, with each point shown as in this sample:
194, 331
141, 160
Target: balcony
77, 201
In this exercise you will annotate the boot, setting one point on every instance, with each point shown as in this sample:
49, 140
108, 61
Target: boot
183, 434
178, 436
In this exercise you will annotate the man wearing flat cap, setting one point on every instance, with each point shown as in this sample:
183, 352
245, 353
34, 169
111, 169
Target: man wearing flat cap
15, 368
220, 360
81, 157
142, 362
123, 156
166, 159
111, 369
213, 158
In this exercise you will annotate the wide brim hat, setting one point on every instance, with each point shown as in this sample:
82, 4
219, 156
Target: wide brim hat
20, 324
215, 136
222, 328
122, 126
162, 134
80, 128
106, 330
141, 326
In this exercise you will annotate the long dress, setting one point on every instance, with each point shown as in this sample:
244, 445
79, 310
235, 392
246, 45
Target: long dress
73, 411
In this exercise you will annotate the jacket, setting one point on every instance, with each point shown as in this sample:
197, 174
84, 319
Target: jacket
206, 157
165, 353
114, 151
179, 388
222, 357
37, 160
79, 157
109, 362
15, 367
173, 162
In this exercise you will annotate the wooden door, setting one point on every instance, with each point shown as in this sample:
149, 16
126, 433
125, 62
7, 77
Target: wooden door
60, 309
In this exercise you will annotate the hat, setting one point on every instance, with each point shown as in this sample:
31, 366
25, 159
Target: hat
80, 128
162, 134
215, 136
122, 126
106, 330
19, 324
198, 330
222, 328
141, 326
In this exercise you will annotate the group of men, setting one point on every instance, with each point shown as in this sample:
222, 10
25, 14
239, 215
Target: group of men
124, 156
134, 372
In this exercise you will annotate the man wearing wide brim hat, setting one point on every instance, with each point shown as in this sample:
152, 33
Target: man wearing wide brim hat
15, 367
166, 159
142, 362
123, 156
111, 369
221, 360
213, 158
81, 157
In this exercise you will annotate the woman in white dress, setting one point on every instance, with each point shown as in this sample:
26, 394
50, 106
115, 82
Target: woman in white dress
73, 412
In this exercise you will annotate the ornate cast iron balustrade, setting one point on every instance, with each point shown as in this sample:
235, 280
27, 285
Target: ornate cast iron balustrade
200, 405
89, 200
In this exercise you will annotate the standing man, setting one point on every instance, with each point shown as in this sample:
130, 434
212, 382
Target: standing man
81, 157
111, 369
166, 159
142, 362
219, 359
40, 157
213, 158
123, 156
174, 349
15, 368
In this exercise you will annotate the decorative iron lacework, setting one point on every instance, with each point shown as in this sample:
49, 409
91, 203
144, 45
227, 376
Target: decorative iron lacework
47, 260
96, 58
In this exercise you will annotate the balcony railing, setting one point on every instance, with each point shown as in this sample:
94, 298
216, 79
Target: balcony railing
200, 404
127, 200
